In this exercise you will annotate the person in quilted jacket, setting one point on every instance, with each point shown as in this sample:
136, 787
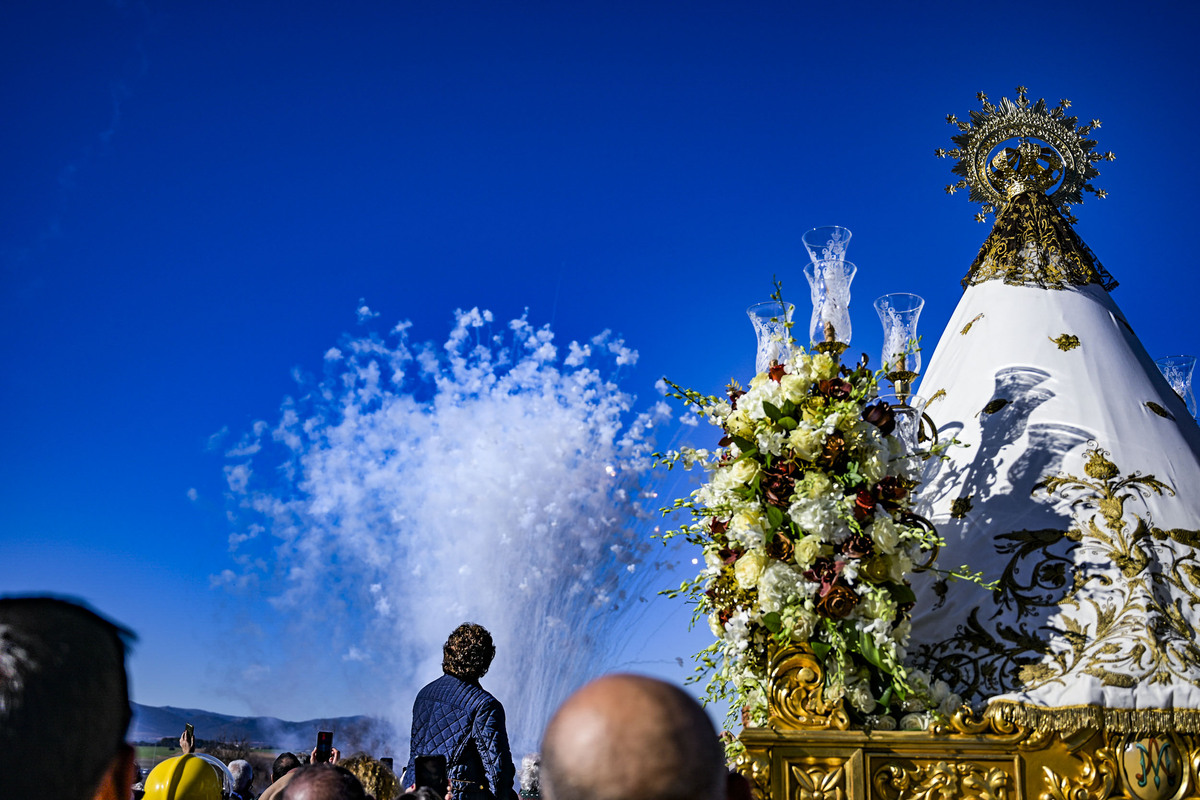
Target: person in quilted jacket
456, 718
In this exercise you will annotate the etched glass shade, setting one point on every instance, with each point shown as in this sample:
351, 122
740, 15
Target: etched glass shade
770, 320
829, 280
899, 313
908, 410
827, 243
1178, 372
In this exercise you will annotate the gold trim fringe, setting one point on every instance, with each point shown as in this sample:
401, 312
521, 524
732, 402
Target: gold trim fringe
1118, 720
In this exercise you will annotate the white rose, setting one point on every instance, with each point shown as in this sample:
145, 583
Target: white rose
739, 424
806, 441
914, 722
818, 484
807, 550
860, 697
743, 470
794, 388
805, 624
749, 568
823, 367
885, 534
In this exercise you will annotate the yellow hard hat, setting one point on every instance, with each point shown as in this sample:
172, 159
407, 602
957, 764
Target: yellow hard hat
185, 777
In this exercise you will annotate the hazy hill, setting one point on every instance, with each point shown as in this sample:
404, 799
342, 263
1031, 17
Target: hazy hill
151, 723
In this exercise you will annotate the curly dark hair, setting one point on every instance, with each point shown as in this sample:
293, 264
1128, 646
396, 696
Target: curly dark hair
468, 652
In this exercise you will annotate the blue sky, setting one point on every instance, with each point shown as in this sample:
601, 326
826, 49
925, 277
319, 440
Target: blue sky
198, 196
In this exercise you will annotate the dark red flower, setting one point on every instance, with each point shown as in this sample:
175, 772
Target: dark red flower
776, 372
891, 490
835, 388
880, 415
778, 483
858, 546
839, 601
833, 452
734, 394
825, 571
864, 505
718, 527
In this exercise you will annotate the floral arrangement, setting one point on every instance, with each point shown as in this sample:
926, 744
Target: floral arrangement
809, 537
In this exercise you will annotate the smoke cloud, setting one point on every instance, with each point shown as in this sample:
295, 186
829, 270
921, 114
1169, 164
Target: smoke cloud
418, 486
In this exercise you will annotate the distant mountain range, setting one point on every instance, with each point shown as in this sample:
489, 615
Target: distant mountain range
152, 723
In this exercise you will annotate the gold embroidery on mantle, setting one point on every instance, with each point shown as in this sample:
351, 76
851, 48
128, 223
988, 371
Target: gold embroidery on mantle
1032, 244
1157, 409
938, 395
967, 327
994, 405
1065, 341
1126, 620
1122, 592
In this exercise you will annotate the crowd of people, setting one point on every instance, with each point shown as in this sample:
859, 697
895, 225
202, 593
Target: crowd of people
65, 711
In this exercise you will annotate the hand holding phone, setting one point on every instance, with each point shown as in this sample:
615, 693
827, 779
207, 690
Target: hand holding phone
187, 742
324, 749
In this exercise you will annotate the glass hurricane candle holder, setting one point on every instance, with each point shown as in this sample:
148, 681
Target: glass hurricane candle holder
827, 243
829, 282
908, 411
771, 320
1178, 372
899, 313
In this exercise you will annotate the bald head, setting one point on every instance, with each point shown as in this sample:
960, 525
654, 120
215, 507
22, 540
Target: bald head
629, 737
323, 782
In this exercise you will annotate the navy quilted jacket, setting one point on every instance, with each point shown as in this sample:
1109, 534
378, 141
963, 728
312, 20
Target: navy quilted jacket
457, 719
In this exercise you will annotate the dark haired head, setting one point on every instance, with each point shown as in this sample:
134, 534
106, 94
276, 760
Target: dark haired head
468, 652
285, 763
63, 696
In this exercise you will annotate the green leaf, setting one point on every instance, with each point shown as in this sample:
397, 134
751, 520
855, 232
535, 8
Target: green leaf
772, 411
787, 423
744, 444
774, 516
866, 646
820, 649
885, 699
772, 622
901, 593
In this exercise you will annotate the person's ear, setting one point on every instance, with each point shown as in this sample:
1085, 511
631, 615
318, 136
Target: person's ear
118, 780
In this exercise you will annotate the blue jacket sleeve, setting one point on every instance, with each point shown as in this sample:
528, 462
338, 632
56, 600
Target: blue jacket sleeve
491, 737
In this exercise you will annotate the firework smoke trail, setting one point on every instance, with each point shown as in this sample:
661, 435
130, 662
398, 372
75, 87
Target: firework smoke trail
487, 480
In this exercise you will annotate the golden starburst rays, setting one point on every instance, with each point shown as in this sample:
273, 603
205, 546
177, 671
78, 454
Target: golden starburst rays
1013, 146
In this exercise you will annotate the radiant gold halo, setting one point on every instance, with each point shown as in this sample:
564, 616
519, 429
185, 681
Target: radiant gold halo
1051, 153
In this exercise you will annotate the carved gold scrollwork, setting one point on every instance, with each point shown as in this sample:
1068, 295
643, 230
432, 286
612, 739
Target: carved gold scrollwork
944, 780
796, 693
754, 764
820, 783
1095, 780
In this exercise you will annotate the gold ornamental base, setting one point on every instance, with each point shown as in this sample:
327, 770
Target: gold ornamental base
808, 752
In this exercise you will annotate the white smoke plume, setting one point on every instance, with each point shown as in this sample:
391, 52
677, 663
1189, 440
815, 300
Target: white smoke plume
416, 487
